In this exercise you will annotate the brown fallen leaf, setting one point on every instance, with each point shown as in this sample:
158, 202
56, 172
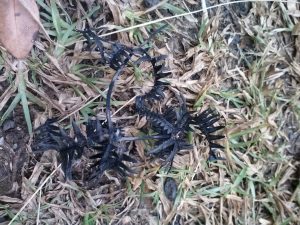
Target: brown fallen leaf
18, 27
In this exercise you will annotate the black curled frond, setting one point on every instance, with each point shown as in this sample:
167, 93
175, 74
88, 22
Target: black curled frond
157, 92
106, 140
110, 150
114, 155
157, 120
44, 136
112, 161
52, 137
205, 123
117, 54
173, 124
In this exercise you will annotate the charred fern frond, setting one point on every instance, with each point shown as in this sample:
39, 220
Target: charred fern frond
43, 139
175, 124
172, 125
111, 153
113, 161
117, 57
157, 92
158, 120
177, 135
118, 54
175, 127
51, 137
205, 122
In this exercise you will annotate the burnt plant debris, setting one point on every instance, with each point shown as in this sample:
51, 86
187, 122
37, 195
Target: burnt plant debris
111, 150
52, 137
170, 188
205, 123
172, 125
107, 139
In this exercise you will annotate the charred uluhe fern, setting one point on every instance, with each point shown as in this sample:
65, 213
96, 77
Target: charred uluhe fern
205, 122
117, 57
51, 137
174, 125
107, 139
111, 150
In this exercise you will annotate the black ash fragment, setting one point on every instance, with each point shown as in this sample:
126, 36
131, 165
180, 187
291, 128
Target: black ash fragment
205, 122
170, 189
52, 137
173, 125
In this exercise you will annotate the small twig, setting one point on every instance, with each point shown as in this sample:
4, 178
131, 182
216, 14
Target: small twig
108, 98
93, 99
143, 138
39, 208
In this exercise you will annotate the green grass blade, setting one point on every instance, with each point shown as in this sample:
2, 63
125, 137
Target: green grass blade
22, 92
11, 107
56, 18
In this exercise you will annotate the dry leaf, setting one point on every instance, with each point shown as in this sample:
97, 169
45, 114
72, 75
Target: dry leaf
118, 18
167, 206
198, 65
7, 199
18, 28
296, 29
115, 10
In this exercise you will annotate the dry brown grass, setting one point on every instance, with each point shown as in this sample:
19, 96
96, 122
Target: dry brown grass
242, 59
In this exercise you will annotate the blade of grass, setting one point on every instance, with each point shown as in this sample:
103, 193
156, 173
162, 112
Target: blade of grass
200, 100
35, 99
22, 92
56, 18
11, 107
244, 132
240, 177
